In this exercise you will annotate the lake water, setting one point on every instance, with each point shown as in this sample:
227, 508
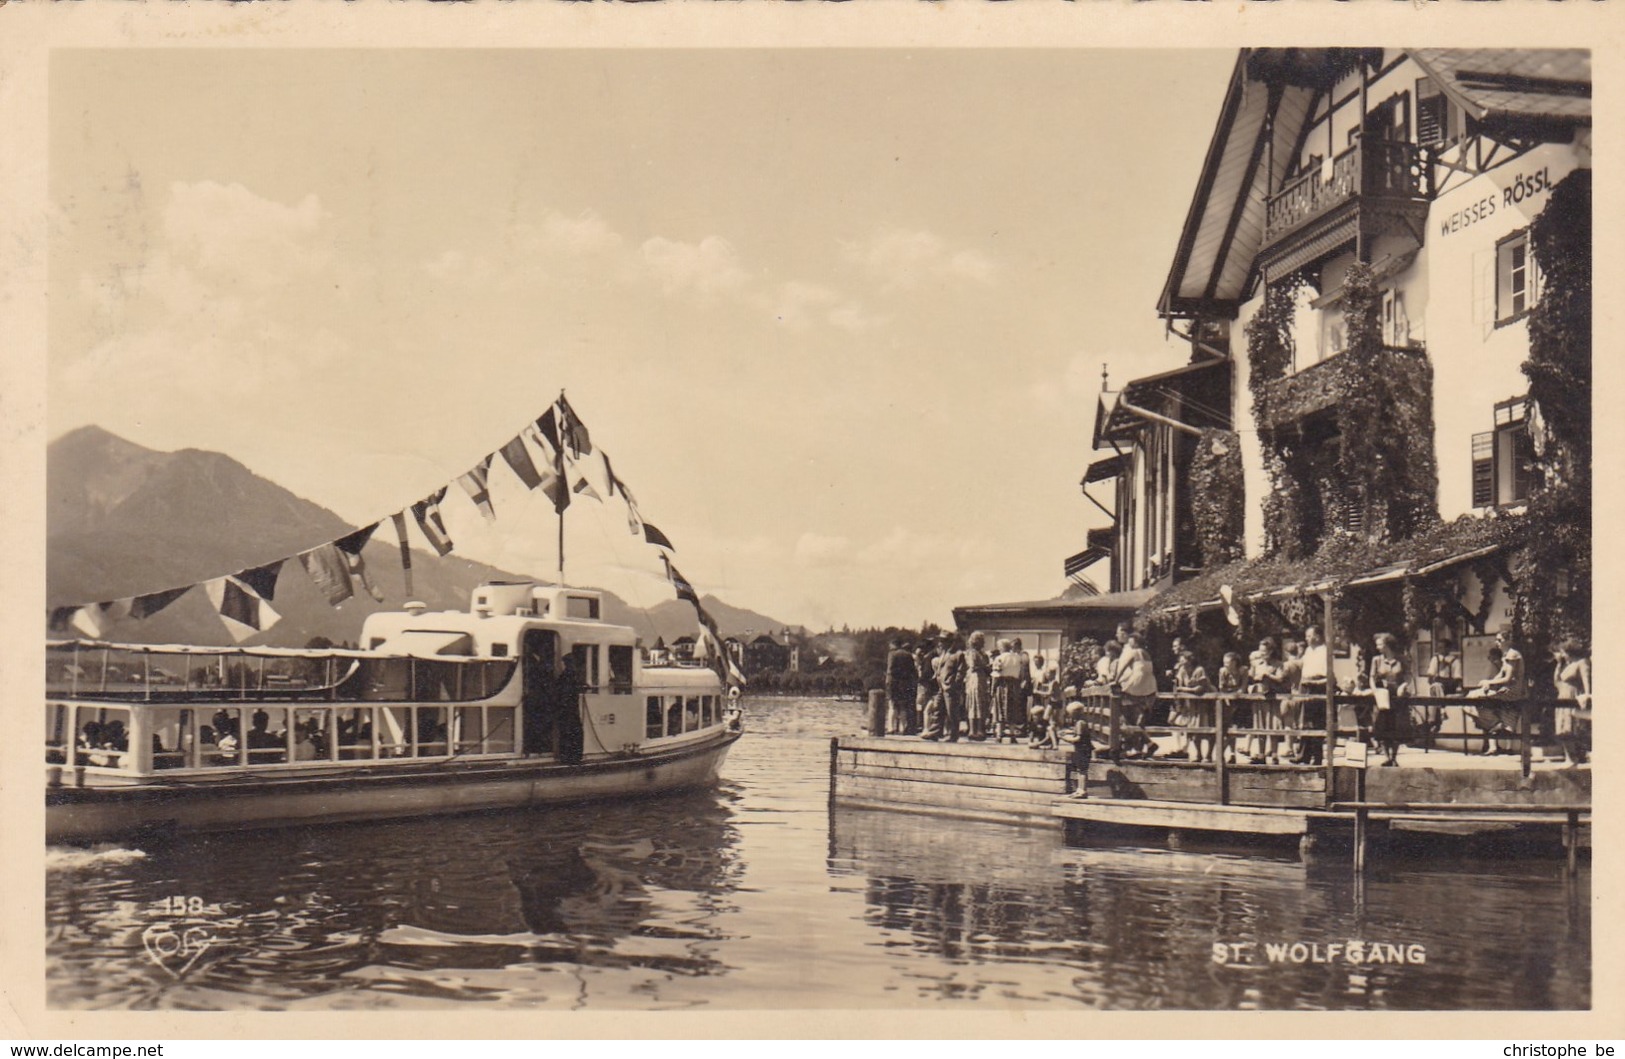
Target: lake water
756, 895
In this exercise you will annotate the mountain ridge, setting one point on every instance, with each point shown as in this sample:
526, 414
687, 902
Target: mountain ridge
124, 520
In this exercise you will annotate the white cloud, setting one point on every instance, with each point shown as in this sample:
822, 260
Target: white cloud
899, 259
708, 268
814, 549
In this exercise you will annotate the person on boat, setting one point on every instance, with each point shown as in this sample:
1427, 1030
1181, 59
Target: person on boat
1189, 678
1507, 684
1313, 672
1574, 694
1233, 678
978, 687
1267, 677
567, 688
1390, 670
902, 687
1137, 681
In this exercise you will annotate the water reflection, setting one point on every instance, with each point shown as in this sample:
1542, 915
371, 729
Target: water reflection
1146, 928
407, 908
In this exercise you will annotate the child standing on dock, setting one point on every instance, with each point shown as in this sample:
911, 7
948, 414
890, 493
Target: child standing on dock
1232, 678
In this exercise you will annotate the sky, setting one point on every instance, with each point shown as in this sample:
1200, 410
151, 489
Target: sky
839, 316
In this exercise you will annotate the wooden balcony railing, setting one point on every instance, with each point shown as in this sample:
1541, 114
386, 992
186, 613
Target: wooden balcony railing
1374, 169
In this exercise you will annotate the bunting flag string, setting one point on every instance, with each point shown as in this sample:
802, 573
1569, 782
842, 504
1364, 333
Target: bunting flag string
427, 513
244, 599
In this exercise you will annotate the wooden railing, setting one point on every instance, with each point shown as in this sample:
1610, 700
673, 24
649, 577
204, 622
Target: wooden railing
1122, 737
1375, 168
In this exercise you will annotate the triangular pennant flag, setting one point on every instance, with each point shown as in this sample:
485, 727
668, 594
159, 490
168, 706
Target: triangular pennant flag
95, 619
585, 488
242, 611
572, 431
519, 459
351, 546
427, 512
330, 569
153, 602
261, 580
634, 521
476, 483
609, 473
680, 583
547, 426
399, 518
655, 537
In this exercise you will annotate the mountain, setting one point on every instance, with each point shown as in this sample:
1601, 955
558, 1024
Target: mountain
123, 520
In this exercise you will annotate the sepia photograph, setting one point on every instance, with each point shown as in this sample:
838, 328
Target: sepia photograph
693, 529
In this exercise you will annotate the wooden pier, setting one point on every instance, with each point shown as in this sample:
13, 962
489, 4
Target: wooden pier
1343, 806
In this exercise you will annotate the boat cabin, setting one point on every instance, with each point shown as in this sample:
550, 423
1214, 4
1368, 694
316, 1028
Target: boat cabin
494, 681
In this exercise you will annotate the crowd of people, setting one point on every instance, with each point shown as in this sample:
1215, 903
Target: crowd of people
955, 687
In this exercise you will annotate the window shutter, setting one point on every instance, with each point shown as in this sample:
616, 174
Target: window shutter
1484, 469
1432, 114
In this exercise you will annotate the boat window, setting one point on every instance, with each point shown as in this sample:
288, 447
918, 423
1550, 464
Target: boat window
355, 734
499, 729
499, 650
674, 715
431, 729
691, 714
103, 738
56, 733
174, 738
312, 735
468, 730
653, 719
620, 669
268, 735
586, 656
394, 731
220, 741
708, 711
387, 679
582, 607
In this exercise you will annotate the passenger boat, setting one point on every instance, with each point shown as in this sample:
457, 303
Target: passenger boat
528, 698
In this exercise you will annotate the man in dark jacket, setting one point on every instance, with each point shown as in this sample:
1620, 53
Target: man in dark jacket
902, 684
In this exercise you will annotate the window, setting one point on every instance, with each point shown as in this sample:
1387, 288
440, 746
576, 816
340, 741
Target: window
620, 669
653, 718
1396, 326
1503, 458
582, 607
1438, 121
1517, 279
586, 656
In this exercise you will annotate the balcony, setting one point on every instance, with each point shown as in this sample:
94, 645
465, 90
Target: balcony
1388, 176
1323, 385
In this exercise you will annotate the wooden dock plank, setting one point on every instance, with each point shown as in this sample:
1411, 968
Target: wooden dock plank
911, 745
1053, 785
941, 794
1185, 816
958, 766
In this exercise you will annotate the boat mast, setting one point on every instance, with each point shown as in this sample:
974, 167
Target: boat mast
563, 483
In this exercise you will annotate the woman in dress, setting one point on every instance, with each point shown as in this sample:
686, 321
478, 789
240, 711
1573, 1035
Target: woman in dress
1233, 678
1390, 727
978, 687
1191, 679
1267, 675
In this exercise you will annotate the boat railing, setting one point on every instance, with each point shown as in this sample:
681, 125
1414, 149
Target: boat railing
134, 673
1230, 721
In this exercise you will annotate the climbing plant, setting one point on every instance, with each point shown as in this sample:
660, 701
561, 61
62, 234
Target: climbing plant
1269, 354
1217, 496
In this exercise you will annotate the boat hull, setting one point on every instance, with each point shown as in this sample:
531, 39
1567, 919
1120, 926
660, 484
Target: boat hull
87, 814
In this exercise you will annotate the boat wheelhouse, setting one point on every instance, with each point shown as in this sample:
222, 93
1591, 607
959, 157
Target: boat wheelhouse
528, 697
